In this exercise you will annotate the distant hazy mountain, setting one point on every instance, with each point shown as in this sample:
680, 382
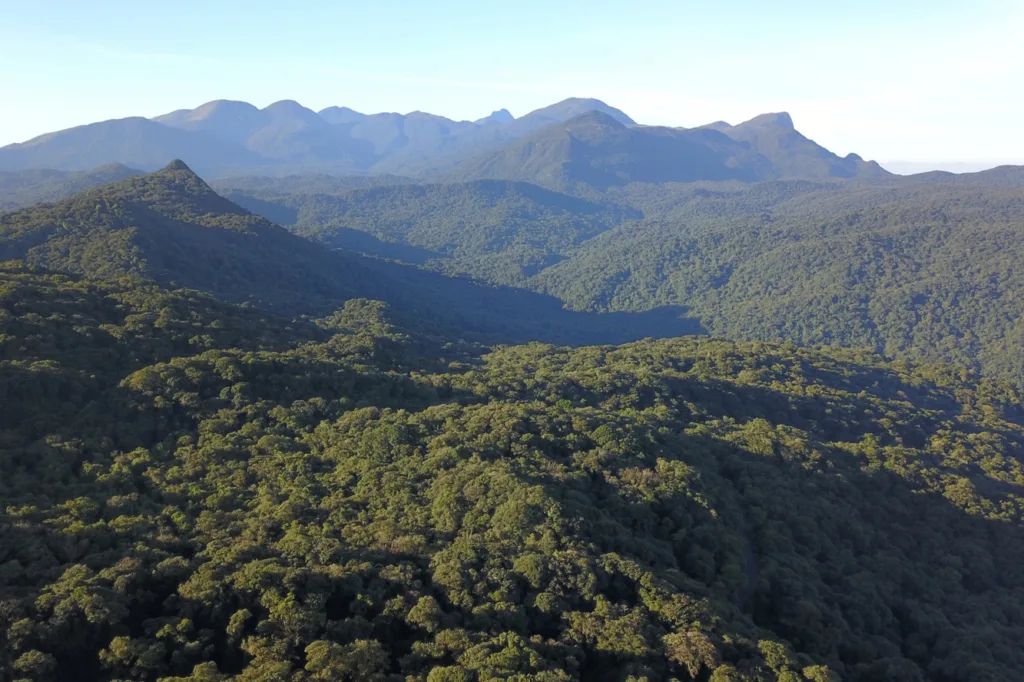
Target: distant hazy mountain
223, 119
597, 150
417, 134
135, 142
791, 154
917, 167
229, 138
340, 115
24, 188
499, 116
566, 110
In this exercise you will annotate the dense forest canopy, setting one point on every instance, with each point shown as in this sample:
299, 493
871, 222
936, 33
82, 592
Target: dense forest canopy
199, 491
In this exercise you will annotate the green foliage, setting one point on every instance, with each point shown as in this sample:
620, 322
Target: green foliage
917, 268
170, 228
500, 231
196, 491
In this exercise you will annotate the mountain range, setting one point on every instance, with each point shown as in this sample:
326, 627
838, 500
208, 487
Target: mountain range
571, 142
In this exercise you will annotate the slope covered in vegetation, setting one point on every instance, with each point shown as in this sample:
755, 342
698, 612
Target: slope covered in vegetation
920, 268
171, 228
193, 490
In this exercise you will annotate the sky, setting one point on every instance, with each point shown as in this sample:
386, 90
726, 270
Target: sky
925, 83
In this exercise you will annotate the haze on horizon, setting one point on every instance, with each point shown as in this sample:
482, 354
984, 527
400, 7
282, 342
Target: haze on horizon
914, 85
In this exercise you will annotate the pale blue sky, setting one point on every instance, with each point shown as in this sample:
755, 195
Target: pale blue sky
910, 80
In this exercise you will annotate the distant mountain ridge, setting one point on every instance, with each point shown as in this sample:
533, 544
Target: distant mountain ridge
774, 137
598, 150
25, 188
232, 138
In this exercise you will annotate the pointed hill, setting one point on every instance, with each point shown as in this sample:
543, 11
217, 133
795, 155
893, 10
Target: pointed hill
496, 117
793, 155
171, 228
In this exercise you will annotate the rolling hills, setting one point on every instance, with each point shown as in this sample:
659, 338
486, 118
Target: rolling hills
920, 267
172, 229
498, 231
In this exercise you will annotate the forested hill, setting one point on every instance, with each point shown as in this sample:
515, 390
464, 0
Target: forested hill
171, 228
920, 267
197, 491
921, 270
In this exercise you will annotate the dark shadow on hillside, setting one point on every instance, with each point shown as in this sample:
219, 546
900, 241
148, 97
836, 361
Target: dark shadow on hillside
480, 312
286, 274
536, 268
273, 211
365, 243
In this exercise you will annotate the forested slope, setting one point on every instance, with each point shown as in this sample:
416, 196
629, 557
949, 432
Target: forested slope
502, 232
171, 228
193, 490
921, 268
916, 270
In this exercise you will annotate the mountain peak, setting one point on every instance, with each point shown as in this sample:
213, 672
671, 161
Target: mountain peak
221, 105
780, 119
289, 107
499, 116
594, 118
284, 104
341, 115
177, 165
574, 106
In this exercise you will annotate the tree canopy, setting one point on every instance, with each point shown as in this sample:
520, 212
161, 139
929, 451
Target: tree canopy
198, 491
